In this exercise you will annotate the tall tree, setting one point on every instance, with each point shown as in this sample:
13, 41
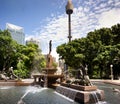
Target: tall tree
100, 48
22, 58
7, 50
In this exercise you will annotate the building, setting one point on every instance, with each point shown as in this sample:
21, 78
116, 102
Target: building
33, 41
17, 33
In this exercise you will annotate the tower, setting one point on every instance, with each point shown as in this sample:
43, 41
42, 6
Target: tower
69, 11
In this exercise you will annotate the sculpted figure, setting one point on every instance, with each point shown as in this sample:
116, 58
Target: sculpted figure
50, 46
49, 57
84, 75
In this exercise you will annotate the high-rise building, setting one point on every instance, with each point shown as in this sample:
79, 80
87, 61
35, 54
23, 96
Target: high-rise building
32, 40
17, 33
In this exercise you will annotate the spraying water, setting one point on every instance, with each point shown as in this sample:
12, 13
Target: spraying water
95, 97
31, 89
21, 102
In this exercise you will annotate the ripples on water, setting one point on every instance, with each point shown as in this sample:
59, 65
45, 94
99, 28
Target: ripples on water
31, 95
39, 95
111, 97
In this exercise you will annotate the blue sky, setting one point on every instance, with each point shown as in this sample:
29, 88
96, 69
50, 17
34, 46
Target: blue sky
46, 20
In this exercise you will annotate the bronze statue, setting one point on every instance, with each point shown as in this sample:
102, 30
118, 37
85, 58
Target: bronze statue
49, 57
84, 75
50, 46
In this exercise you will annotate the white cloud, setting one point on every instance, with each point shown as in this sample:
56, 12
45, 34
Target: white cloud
28, 37
87, 16
117, 4
109, 18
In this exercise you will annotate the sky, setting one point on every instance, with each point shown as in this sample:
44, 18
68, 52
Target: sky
45, 20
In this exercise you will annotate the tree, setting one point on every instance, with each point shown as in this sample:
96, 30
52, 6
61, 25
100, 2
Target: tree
98, 50
31, 58
22, 58
116, 34
36, 60
7, 50
71, 54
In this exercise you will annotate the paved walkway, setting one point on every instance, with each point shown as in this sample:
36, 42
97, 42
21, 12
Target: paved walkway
115, 82
30, 81
23, 82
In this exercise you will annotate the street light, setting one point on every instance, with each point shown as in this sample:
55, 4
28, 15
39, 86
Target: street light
111, 69
69, 11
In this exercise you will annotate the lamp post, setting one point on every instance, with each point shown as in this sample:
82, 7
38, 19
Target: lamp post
111, 69
69, 11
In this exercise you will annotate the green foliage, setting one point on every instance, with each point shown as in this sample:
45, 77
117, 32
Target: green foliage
55, 65
32, 57
22, 58
100, 48
7, 50
22, 73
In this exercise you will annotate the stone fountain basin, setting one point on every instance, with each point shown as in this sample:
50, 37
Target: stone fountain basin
80, 87
81, 94
49, 70
14, 83
47, 78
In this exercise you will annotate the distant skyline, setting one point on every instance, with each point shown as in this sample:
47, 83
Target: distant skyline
17, 33
46, 20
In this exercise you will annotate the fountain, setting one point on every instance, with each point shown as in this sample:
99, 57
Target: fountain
83, 92
11, 75
31, 89
38, 95
48, 78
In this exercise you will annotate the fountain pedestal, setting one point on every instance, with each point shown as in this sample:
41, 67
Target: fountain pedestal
47, 80
83, 91
81, 94
49, 77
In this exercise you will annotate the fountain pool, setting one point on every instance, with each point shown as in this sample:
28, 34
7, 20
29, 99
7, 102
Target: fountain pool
111, 97
31, 95
39, 95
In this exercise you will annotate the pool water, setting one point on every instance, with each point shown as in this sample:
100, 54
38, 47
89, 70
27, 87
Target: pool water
111, 97
39, 95
31, 95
